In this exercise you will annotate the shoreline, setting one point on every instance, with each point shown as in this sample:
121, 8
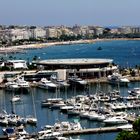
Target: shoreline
20, 48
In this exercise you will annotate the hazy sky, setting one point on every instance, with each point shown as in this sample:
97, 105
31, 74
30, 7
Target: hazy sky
70, 12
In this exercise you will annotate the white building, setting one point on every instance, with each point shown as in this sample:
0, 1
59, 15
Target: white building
99, 30
125, 30
38, 33
19, 34
16, 64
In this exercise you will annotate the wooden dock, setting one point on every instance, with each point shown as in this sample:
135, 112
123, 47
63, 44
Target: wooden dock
92, 131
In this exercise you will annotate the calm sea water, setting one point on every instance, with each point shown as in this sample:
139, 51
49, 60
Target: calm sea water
124, 53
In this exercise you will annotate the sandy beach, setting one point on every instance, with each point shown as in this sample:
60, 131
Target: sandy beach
20, 48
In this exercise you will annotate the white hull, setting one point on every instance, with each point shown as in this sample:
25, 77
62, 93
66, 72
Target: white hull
45, 84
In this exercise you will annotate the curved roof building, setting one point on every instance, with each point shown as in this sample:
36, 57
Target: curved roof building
74, 63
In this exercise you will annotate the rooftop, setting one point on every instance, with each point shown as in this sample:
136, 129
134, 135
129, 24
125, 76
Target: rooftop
75, 61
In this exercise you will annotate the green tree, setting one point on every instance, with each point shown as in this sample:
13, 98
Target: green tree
131, 135
136, 126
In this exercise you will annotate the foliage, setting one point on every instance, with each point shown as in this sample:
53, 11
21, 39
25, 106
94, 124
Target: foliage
131, 135
4, 68
136, 126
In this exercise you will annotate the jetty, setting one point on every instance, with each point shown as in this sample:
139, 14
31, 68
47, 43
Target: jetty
92, 131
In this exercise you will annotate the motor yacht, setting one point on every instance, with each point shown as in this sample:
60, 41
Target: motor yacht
62, 83
117, 79
22, 83
52, 101
66, 108
115, 120
46, 84
24, 86
75, 80
11, 86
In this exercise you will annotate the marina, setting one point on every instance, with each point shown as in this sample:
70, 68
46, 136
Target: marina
56, 110
94, 106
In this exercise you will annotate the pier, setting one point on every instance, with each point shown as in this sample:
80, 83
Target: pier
92, 131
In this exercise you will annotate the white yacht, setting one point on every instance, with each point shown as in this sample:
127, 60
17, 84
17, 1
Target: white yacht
67, 126
77, 81
46, 84
31, 120
15, 98
126, 127
57, 102
115, 120
24, 86
66, 108
11, 86
134, 91
22, 83
61, 83
96, 116
48, 135
117, 79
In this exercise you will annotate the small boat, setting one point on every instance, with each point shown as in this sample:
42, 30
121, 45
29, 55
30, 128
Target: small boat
61, 138
132, 97
16, 98
134, 91
4, 121
66, 108
99, 48
20, 130
31, 120
48, 135
10, 131
126, 127
58, 105
51, 101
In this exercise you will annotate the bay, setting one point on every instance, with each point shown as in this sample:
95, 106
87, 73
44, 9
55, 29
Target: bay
125, 53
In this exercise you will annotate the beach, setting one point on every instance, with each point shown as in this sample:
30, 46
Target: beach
20, 48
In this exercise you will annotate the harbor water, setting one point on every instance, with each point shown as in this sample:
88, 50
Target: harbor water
30, 104
124, 53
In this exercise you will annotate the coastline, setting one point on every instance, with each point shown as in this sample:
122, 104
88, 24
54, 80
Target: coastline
20, 48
